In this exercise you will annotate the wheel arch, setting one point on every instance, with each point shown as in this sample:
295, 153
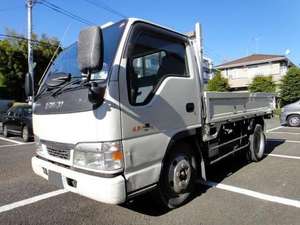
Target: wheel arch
260, 120
256, 120
292, 114
193, 138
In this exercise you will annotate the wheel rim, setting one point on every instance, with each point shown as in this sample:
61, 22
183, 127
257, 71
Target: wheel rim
25, 133
258, 143
295, 121
5, 131
180, 174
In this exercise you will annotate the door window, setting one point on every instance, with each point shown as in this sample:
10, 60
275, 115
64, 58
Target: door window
151, 59
18, 112
11, 112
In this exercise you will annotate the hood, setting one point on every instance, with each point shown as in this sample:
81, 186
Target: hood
101, 124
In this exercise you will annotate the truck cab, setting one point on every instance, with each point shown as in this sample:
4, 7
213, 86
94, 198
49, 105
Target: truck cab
122, 112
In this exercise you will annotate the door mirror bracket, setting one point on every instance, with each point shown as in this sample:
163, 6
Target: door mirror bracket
96, 92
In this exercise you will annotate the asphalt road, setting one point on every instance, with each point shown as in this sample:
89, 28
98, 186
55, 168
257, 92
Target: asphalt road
244, 193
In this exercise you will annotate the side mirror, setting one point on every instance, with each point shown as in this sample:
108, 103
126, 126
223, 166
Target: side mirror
28, 85
96, 93
90, 50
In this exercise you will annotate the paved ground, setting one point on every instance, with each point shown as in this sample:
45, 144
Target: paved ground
258, 193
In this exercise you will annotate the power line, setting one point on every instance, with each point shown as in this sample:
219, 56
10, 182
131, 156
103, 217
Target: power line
106, 7
65, 12
26, 39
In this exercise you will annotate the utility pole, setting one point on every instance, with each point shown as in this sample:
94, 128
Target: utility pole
29, 42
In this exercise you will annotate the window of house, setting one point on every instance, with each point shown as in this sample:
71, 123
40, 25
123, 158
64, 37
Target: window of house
151, 59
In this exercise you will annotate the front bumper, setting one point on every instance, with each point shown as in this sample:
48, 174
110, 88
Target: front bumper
107, 190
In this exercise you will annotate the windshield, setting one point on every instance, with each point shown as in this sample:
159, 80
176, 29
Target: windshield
66, 61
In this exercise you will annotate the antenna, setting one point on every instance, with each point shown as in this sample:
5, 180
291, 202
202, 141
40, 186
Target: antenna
55, 53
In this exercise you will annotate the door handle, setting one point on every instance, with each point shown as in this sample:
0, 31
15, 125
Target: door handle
190, 107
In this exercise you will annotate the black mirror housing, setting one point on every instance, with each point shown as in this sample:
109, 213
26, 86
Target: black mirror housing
90, 50
28, 85
96, 93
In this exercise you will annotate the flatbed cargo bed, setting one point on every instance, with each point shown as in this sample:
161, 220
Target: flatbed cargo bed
231, 106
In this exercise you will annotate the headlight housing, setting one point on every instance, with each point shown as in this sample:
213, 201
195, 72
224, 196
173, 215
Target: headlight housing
41, 149
99, 157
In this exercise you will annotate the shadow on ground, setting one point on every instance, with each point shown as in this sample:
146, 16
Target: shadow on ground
146, 204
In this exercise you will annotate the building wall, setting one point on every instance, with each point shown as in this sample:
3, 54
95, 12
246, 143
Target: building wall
243, 76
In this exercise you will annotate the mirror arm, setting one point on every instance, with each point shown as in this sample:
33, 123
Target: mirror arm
88, 77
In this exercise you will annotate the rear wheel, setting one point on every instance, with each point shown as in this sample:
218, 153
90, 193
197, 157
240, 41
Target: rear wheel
5, 131
293, 121
257, 144
25, 134
177, 180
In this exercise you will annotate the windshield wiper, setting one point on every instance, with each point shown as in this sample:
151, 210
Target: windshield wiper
43, 91
58, 79
67, 85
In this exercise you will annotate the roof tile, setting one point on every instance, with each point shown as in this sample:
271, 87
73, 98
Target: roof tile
251, 58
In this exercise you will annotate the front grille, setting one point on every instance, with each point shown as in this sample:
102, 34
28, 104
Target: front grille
57, 149
60, 153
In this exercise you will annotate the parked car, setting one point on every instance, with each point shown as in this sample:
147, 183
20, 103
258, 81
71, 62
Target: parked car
18, 121
4, 106
290, 114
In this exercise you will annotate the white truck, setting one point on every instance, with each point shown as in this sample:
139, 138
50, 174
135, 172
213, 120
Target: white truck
123, 111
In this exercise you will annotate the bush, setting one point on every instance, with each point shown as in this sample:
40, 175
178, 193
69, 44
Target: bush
262, 84
290, 86
218, 83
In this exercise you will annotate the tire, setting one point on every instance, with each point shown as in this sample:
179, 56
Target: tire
178, 176
5, 131
257, 142
293, 121
25, 134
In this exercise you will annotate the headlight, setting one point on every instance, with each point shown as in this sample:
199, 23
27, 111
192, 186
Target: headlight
107, 156
41, 149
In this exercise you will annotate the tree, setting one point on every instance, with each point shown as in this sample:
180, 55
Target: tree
218, 83
290, 86
262, 84
13, 61
13, 64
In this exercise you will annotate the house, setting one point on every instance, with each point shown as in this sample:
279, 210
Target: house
240, 72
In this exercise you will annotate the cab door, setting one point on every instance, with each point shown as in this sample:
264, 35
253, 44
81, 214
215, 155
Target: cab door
158, 98
10, 119
18, 115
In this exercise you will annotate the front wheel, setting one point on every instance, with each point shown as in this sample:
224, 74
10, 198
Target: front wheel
177, 180
25, 134
257, 142
5, 131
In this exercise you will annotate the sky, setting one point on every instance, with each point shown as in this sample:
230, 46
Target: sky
231, 28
